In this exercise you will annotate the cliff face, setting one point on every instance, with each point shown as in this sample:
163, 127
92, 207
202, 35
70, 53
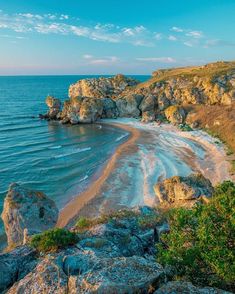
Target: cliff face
120, 96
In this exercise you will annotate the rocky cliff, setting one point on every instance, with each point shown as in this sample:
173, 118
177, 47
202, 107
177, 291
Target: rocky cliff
114, 253
91, 99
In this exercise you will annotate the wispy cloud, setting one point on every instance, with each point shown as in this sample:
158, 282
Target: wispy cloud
218, 43
107, 60
172, 38
157, 59
66, 25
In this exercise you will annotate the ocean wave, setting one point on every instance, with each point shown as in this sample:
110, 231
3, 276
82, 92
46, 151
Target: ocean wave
121, 137
55, 147
83, 179
73, 152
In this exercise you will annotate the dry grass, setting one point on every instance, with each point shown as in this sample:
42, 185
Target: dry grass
210, 70
217, 120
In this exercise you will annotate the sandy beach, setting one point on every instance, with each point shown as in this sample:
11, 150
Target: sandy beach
150, 154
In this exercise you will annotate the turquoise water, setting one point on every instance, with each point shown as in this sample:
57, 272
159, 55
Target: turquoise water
59, 160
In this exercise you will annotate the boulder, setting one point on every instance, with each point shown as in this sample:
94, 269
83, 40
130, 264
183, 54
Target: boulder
119, 275
148, 116
109, 108
148, 103
54, 105
27, 211
47, 277
175, 114
181, 287
101, 87
16, 265
183, 190
91, 109
128, 106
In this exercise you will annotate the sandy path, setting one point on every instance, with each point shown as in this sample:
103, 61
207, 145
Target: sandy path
75, 205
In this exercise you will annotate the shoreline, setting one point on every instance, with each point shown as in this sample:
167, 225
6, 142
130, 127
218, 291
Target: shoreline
71, 210
213, 165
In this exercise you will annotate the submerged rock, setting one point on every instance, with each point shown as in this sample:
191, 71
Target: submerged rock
26, 212
183, 190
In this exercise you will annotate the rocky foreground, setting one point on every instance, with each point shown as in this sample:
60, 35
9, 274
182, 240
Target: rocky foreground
115, 253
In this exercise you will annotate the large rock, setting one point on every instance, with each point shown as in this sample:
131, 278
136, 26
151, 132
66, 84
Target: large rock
27, 212
183, 190
54, 105
181, 287
101, 87
119, 275
128, 106
15, 265
109, 108
47, 277
175, 114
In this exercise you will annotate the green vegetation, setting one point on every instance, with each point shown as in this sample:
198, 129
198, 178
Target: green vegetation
54, 239
185, 128
200, 245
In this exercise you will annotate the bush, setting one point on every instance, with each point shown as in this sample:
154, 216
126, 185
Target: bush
83, 223
200, 244
54, 239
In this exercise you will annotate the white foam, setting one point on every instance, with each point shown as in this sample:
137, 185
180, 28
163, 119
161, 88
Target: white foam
121, 137
73, 152
55, 147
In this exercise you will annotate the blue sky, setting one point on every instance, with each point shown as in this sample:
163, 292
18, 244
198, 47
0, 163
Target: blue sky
113, 36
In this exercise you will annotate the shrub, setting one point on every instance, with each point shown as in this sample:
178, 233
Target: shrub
83, 223
200, 244
54, 239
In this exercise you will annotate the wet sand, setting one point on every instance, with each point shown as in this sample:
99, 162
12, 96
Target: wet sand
151, 154
74, 206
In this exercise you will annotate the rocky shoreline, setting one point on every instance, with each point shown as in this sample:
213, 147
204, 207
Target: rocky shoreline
116, 252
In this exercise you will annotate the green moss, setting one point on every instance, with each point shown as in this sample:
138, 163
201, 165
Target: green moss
185, 128
53, 240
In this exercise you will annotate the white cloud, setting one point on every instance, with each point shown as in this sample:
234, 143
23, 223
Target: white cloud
104, 61
158, 36
177, 29
87, 56
172, 38
195, 34
157, 59
188, 44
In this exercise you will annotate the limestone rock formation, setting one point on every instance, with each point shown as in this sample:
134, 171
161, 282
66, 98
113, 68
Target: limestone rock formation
16, 265
26, 211
54, 105
182, 191
128, 106
109, 108
101, 87
175, 114
180, 287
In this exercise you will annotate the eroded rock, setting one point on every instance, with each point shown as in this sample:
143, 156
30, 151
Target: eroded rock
26, 210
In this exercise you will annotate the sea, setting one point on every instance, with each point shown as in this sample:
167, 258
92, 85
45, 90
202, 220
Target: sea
59, 160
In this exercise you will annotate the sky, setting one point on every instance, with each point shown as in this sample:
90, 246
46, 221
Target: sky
46, 37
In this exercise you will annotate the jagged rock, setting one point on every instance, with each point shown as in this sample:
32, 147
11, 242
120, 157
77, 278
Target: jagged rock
15, 265
109, 108
119, 275
91, 109
47, 277
27, 210
101, 87
128, 106
54, 105
148, 116
163, 101
183, 190
181, 287
175, 114
148, 103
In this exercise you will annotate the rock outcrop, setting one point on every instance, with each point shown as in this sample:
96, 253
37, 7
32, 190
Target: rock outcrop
101, 87
175, 114
15, 265
183, 191
26, 212
180, 287
166, 93
54, 105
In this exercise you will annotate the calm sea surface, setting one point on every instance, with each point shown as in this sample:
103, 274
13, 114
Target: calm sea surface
56, 159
